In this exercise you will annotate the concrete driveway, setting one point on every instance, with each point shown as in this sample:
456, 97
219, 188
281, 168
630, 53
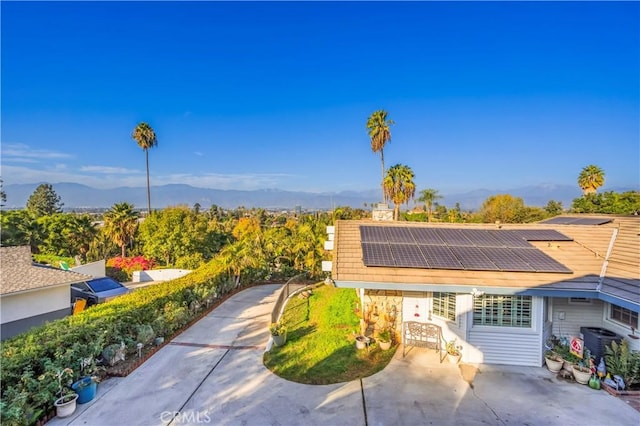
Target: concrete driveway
213, 374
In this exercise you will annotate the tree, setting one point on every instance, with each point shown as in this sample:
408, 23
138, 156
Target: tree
428, 196
67, 234
44, 201
609, 202
120, 224
19, 228
590, 179
144, 135
380, 134
398, 186
3, 195
178, 235
503, 207
553, 208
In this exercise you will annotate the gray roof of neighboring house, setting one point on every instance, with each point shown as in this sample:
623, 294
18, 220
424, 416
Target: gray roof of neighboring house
19, 274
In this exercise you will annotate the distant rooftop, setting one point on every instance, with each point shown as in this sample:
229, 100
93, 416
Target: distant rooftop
19, 274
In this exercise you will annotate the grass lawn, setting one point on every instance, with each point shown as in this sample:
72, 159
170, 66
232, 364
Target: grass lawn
320, 346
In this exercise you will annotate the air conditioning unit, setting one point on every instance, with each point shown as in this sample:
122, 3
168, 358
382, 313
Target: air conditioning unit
596, 338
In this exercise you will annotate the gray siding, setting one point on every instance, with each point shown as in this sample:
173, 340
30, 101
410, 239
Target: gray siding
576, 316
13, 328
501, 347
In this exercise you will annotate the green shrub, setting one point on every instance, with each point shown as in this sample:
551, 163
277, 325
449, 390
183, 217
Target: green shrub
621, 361
160, 309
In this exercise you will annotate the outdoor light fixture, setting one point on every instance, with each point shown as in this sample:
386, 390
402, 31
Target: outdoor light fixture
477, 293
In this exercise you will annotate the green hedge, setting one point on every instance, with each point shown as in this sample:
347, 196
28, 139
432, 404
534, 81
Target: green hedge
31, 360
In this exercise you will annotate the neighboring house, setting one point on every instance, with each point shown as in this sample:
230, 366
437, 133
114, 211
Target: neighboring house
500, 290
31, 294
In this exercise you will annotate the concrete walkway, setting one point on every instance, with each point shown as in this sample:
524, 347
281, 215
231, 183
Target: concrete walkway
213, 374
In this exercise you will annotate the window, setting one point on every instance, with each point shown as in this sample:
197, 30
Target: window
624, 316
444, 305
502, 311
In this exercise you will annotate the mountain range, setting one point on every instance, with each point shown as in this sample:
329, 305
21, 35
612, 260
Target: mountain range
78, 196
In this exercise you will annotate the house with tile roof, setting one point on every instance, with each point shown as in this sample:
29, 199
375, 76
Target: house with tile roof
31, 294
499, 290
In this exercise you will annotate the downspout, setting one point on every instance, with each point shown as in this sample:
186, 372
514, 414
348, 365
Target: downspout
603, 272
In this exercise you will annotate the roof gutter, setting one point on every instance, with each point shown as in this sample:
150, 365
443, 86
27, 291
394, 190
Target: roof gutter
605, 264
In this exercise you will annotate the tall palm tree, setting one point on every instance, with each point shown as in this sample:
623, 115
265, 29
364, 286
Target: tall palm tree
590, 179
146, 138
380, 134
120, 224
428, 196
398, 186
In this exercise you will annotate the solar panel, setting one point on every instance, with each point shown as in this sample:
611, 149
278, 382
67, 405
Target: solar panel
454, 237
541, 262
372, 234
482, 238
472, 258
440, 257
571, 220
542, 235
592, 221
399, 235
450, 248
428, 236
510, 239
408, 256
506, 259
374, 254
559, 220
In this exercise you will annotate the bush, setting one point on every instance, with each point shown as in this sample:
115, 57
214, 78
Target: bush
621, 361
122, 268
160, 309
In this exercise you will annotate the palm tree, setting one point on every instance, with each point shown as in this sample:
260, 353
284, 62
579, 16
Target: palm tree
398, 186
120, 224
146, 138
428, 196
590, 179
380, 134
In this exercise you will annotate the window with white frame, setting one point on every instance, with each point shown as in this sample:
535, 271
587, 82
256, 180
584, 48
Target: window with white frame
624, 316
502, 311
444, 305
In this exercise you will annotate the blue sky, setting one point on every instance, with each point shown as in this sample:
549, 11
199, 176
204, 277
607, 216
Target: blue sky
246, 95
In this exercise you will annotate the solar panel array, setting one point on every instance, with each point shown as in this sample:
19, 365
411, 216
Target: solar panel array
569, 220
465, 249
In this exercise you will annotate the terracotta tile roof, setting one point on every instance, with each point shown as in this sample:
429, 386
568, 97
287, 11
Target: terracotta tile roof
18, 273
584, 256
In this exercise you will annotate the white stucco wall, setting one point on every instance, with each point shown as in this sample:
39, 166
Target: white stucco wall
24, 305
158, 275
95, 269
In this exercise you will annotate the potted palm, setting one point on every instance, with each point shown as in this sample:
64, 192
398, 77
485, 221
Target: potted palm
278, 333
453, 352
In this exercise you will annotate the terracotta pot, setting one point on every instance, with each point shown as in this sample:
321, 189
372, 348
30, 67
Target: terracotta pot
385, 346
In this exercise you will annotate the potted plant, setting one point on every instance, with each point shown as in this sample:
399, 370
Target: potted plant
581, 374
453, 351
87, 385
66, 403
384, 339
278, 333
553, 360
